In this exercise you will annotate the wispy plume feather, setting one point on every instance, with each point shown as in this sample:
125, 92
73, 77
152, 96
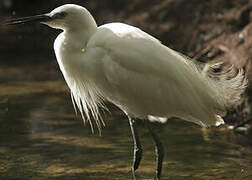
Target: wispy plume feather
87, 99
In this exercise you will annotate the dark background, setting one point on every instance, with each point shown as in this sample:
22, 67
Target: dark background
41, 137
217, 30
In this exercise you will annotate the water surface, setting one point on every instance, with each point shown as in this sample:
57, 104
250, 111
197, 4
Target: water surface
42, 138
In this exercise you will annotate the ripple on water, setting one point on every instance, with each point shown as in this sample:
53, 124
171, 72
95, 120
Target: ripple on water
41, 138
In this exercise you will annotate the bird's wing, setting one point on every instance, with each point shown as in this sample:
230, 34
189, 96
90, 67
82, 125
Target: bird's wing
134, 49
144, 73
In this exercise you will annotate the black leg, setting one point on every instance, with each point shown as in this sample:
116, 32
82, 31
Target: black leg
137, 146
159, 152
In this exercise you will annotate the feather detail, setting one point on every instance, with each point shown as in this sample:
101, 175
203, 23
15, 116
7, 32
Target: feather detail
226, 87
87, 99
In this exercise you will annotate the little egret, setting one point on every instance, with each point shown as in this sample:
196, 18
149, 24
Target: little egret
124, 65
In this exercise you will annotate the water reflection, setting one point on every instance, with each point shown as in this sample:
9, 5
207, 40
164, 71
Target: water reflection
41, 138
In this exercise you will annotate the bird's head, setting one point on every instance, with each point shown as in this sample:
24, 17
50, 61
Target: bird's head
66, 17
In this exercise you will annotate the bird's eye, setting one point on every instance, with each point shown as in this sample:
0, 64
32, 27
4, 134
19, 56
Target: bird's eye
60, 15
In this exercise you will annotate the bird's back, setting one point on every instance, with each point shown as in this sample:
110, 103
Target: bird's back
144, 77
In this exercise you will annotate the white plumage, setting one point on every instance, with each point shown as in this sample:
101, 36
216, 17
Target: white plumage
133, 70
136, 72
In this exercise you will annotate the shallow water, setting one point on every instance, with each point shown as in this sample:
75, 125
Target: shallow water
42, 138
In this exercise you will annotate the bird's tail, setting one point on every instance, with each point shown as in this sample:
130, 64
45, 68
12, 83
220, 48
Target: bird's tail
229, 85
224, 90
218, 90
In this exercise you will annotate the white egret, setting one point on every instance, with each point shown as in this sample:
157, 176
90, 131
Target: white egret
124, 65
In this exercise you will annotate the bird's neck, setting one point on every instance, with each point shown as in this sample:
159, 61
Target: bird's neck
70, 44
82, 29
80, 37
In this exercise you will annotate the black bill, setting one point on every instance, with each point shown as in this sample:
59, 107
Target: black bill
38, 18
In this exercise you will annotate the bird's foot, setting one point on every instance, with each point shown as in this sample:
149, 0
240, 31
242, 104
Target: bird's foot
133, 173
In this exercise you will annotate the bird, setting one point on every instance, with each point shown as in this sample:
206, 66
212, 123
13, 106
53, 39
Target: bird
136, 72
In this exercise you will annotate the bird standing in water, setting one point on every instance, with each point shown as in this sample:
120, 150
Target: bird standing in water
124, 65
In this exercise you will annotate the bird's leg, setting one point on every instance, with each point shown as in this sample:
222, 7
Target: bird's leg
137, 146
159, 152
